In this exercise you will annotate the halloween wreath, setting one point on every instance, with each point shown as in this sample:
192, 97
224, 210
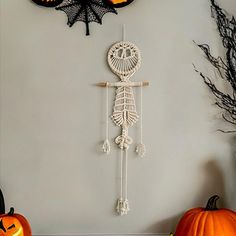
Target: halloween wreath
84, 10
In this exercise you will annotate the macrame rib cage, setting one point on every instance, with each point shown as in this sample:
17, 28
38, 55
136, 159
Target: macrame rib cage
124, 109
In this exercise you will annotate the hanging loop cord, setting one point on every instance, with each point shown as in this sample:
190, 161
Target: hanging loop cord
141, 148
106, 144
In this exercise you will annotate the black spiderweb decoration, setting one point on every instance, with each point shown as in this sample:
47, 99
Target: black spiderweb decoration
85, 10
225, 67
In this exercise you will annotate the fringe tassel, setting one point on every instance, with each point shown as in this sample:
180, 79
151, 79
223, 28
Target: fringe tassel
122, 206
106, 147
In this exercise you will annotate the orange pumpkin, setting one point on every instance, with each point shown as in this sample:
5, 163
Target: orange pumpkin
118, 3
12, 224
209, 221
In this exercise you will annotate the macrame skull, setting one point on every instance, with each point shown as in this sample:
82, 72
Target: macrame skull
124, 59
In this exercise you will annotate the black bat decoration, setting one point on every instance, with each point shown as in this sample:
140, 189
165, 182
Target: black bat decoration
85, 10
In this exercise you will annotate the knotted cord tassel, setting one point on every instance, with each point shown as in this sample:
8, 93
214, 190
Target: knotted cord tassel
141, 148
119, 207
106, 147
122, 206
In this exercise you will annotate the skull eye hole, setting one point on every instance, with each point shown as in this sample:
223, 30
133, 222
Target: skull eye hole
120, 52
128, 53
11, 227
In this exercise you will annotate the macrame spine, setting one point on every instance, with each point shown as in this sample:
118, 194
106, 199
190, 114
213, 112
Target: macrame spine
106, 145
141, 148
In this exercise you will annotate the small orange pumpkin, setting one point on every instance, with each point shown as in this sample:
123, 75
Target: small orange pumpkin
209, 221
12, 224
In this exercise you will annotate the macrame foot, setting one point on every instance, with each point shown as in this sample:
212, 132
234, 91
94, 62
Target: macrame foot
122, 206
140, 149
106, 146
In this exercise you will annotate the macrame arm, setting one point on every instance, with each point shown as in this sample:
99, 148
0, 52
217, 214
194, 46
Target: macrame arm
141, 148
106, 144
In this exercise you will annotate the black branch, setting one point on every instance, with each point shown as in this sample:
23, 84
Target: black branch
226, 67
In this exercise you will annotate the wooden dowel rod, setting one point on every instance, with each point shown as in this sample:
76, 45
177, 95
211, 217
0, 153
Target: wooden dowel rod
123, 84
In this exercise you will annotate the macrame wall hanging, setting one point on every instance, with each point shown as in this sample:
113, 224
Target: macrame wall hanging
124, 59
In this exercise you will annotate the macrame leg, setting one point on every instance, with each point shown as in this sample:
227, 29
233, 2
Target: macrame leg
141, 148
106, 144
126, 202
122, 203
120, 200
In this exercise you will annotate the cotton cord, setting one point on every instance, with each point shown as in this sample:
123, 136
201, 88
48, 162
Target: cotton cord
119, 206
123, 32
126, 208
121, 173
106, 145
140, 148
107, 107
141, 114
126, 174
122, 207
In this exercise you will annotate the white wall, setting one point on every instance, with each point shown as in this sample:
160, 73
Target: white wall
52, 118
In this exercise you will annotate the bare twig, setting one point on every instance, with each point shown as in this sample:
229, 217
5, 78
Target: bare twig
226, 68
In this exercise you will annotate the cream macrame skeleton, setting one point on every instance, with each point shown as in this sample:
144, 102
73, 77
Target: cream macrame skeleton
124, 60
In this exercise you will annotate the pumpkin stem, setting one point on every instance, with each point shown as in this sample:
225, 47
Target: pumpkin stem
2, 203
11, 212
212, 203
